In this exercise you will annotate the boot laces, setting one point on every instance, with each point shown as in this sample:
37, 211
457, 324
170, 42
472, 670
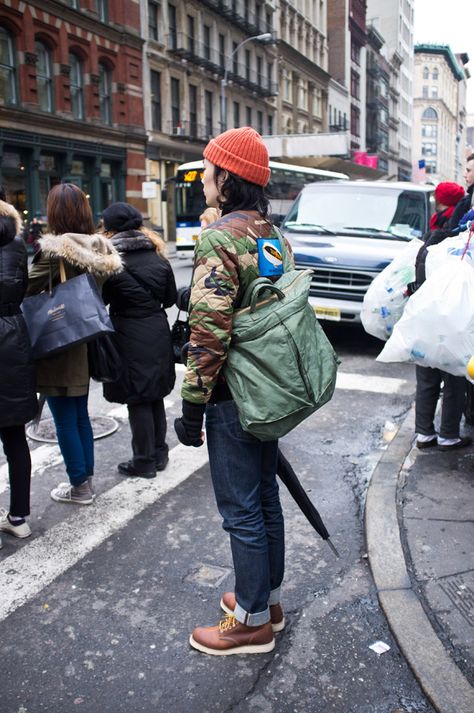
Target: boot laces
228, 622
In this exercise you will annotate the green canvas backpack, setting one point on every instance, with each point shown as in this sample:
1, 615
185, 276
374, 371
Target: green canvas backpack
280, 367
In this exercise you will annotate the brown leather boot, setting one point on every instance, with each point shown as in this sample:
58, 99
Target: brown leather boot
277, 617
232, 637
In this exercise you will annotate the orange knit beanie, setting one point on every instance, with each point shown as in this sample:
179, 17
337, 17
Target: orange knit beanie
242, 152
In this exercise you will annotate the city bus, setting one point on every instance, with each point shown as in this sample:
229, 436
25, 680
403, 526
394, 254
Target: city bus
286, 182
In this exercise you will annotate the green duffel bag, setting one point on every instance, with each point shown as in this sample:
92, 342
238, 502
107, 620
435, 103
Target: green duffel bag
281, 366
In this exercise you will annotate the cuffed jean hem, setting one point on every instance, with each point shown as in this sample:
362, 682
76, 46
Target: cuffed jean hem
274, 597
248, 619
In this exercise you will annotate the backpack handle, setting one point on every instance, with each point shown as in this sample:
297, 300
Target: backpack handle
254, 290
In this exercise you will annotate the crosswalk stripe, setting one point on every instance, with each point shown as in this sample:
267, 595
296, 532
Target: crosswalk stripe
373, 384
26, 572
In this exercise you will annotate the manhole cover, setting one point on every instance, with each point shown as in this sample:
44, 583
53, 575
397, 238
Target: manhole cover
45, 432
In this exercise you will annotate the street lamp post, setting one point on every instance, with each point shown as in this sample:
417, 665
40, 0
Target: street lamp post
266, 37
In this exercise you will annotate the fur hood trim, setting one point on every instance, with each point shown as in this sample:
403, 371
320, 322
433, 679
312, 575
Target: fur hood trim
131, 240
93, 253
9, 211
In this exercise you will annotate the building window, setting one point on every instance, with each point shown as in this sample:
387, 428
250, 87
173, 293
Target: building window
355, 121
175, 105
429, 148
431, 166
236, 115
222, 51
430, 113
235, 61
155, 84
434, 92
74, 4
435, 74
102, 10
269, 76
355, 85
207, 41
260, 80
152, 20
77, 87
193, 130
429, 131
7, 68
190, 20
208, 101
424, 92
355, 52
248, 114
270, 124
426, 73
44, 77
286, 85
105, 93
260, 122
173, 31
247, 65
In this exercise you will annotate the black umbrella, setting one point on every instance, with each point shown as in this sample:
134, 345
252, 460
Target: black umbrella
288, 476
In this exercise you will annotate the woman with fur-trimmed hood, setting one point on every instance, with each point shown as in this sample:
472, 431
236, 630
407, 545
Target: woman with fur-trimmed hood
64, 378
18, 403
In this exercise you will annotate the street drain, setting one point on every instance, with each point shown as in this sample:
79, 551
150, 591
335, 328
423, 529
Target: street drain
461, 594
208, 575
45, 431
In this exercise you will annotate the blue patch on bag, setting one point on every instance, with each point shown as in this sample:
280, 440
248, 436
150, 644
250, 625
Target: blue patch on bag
270, 260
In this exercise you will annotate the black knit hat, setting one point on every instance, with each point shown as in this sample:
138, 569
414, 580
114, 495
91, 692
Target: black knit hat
119, 217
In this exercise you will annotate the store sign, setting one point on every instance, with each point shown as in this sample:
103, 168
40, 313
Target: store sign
149, 189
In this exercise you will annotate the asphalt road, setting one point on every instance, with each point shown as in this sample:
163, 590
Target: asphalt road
96, 608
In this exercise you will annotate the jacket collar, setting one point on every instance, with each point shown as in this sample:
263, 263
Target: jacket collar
130, 240
93, 253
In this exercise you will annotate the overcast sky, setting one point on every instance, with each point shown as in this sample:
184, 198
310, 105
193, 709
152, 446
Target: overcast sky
448, 23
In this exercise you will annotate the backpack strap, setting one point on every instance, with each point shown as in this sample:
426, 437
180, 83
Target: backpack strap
256, 287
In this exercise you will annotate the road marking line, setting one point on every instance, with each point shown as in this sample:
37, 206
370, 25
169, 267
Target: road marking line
375, 384
29, 570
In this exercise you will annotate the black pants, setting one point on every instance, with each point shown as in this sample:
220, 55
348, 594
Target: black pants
148, 426
18, 457
428, 387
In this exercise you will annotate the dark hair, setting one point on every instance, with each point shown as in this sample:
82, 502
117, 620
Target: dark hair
7, 229
3, 193
68, 210
239, 194
470, 157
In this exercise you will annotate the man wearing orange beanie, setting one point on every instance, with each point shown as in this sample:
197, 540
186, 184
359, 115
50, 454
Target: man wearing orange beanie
243, 469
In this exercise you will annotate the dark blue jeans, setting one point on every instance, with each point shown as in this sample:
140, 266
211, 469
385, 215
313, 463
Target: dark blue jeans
75, 438
243, 471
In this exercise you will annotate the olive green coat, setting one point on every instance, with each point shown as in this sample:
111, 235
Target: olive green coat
67, 373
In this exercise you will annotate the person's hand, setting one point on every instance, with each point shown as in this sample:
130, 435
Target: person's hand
189, 427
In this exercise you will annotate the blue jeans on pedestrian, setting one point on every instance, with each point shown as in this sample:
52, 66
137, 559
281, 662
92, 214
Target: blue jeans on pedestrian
75, 438
243, 471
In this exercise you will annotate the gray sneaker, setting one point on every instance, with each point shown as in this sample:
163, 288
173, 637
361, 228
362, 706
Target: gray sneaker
66, 484
78, 494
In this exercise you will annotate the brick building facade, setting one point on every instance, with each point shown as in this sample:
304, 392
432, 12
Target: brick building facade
71, 101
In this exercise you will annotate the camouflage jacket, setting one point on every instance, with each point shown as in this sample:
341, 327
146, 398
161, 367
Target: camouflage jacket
225, 263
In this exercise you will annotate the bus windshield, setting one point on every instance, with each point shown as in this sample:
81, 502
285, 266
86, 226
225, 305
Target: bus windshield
190, 202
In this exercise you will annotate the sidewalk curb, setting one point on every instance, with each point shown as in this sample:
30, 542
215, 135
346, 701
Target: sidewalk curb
439, 677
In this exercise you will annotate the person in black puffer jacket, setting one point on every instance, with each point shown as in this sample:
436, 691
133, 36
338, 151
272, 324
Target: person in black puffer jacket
138, 297
18, 403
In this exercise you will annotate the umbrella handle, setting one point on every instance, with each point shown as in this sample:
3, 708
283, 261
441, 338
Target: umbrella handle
333, 548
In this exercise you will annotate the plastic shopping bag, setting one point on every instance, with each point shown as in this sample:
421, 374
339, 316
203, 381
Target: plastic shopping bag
437, 326
386, 297
453, 248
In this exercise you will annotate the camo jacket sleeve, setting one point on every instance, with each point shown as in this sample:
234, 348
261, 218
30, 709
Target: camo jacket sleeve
221, 263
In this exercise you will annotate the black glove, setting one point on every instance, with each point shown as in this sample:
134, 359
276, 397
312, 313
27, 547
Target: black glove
189, 427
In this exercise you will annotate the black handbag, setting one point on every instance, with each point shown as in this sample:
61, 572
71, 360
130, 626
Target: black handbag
105, 364
180, 332
68, 314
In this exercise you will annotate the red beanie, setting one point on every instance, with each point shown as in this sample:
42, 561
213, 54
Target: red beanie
242, 152
448, 193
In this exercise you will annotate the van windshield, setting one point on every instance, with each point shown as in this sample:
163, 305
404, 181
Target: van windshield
381, 212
